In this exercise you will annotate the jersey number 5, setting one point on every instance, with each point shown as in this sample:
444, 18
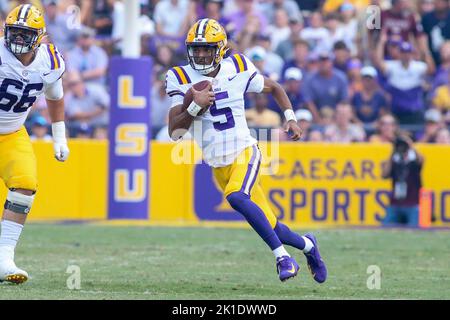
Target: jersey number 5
229, 123
9, 100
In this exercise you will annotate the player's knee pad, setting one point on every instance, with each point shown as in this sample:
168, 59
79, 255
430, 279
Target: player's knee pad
18, 202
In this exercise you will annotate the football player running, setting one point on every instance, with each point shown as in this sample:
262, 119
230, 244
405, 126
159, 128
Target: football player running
216, 120
27, 69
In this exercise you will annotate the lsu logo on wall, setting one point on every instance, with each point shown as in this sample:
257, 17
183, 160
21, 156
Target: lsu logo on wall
129, 138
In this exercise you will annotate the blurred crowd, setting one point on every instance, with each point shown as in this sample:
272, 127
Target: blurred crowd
355, 70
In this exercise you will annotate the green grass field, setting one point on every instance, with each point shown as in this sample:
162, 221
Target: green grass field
218, 263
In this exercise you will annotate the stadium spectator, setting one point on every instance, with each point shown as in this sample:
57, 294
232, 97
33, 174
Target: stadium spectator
214, 10
433, 122
326, 87
436, 25
164, 58
280, 30
343, 130
258, 56
39, 129
425, 6
269, 9
83, 131
370, 102
100, 133
442, 136
316, 34
274, 63
342, 56
404, 169
400, 19
441, 97
442, 73
101, 17
292, 84
333, 25
260, 115
300, 56
312, 64
349, 27
310, 134
404, 81
393, 47
354, 66
160, 102
327, 116
286, 48
60, 32
171, 18
386, 129
86, 103
248, 18
88, 58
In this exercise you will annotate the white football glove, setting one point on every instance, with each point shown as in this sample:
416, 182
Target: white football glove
59, 141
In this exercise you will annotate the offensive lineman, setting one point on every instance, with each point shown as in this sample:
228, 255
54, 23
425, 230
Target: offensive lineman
222, 133
27, 69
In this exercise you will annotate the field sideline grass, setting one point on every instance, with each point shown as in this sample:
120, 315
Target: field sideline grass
220, 263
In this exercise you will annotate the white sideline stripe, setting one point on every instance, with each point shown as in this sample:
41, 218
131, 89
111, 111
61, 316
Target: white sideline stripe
24, 11
200, 27
253, 172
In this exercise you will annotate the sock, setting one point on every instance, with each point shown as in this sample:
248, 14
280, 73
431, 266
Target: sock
280, 252
291, 238
308, 245
255, 217
10, 233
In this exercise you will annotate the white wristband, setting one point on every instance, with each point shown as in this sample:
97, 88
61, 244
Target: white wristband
290, 115
59, 131
194, 109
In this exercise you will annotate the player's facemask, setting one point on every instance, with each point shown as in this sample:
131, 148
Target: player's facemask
20, 40
204, 58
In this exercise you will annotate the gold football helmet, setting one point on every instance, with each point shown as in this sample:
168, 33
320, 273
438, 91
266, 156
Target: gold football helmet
24, 29
206, 33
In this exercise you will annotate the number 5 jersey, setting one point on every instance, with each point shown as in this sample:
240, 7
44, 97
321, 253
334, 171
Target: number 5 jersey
21, 85
222, 131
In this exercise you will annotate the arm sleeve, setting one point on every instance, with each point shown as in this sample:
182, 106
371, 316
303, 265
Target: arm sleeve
255, 82
173, 89
54, 91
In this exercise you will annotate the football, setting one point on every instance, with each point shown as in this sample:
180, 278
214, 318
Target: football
188, 97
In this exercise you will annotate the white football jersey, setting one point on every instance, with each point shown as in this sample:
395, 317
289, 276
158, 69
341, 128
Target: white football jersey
21, 85
222, 131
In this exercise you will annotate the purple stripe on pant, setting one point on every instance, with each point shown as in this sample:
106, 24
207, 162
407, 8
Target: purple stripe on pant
256, 172
249, 169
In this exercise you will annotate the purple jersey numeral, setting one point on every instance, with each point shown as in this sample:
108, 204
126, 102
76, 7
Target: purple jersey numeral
218, 125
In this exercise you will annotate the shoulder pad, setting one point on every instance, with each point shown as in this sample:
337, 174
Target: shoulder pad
55, 65
181, 74
240, 63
